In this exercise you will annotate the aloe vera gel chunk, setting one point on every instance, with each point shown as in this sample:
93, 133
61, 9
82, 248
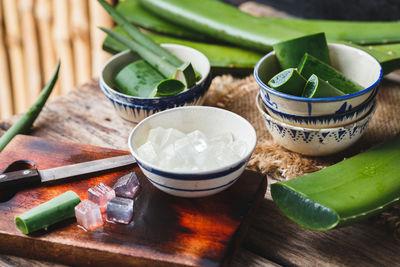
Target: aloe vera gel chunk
48, 213
288, 81
289, 53
344, 193
318, 88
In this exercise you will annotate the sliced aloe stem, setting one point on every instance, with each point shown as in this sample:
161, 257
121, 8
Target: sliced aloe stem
310, 65
290, 52
318, 88
288, 81
186, 73
344, 193
48, 213
138, 79
139, 37
169, 87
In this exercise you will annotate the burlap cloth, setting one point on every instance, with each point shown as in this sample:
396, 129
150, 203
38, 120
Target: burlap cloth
238, 95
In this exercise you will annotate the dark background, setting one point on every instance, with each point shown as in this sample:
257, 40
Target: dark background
336, 9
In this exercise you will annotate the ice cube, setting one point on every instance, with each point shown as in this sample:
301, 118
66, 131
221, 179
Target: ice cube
147, 152
120, 210
171, 135
101, 194
198, 140
156, 136
88, 215
127, 186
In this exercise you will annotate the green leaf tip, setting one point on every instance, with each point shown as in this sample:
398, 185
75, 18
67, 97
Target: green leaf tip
302, 210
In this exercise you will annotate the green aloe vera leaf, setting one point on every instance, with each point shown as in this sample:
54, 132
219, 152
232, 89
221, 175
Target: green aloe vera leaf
48, 213
220, 56
310, 65
290, 52
223, 21
139, 37
157, 62
344, 193
288, 81
186, 73
136, 14
138, 79
318, 88
169, 87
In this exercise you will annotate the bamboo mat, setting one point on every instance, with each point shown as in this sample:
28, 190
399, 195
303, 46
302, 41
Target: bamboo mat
238, 95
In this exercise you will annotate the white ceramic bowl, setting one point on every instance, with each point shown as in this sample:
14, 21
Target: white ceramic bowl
352, 62
135, 109
315, 142
325, 121
211, 121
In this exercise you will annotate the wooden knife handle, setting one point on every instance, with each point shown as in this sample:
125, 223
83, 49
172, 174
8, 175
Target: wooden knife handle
19, 179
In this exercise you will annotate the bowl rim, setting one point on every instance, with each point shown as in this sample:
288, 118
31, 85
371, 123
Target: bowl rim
127, 51
318, 100
230, 167
330, 129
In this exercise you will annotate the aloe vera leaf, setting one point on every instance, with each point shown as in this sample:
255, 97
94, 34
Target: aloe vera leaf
290, 52
310, 65
186, 73
136, 14
139, 37
318, 88
288, 81
223, 21
169, 87
48, 213
138, 79
219, 55
344, 193
23, 124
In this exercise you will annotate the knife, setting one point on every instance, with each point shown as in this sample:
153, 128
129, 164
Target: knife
32, 176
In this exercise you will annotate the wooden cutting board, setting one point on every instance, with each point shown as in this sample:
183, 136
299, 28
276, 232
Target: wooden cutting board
165, 230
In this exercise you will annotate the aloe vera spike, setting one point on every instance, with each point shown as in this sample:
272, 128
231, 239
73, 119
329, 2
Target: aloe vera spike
344, 193
223, 21
23, 124
157, 62
48, 213
139, 37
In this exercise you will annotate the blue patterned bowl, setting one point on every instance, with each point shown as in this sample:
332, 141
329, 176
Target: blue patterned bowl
317, 122
352, 62
135, 109
315, 142
211, 121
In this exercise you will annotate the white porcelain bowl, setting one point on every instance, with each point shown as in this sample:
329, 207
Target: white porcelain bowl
314, 142
135, 109
211, 121
352, 62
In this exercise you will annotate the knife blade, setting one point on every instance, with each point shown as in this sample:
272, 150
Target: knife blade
32, 176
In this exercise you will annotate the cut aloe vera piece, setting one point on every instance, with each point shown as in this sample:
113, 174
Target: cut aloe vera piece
138, 79
290, 52
169, 87
344, 193
222, 21
48, 213
185, 73
310, 65
288, 81
317, 88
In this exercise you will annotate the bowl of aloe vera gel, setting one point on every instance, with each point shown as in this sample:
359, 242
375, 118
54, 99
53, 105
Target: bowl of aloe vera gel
193, 151
308, 77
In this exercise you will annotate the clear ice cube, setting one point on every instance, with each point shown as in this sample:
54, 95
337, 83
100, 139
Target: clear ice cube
101, 194
198, 140
120, 210
127, 186
88, 215
147, 152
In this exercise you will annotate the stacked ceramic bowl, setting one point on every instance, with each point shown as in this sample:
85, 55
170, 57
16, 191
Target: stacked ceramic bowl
135, 109
320, 126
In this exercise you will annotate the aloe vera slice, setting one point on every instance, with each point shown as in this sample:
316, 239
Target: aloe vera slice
138, 79
169, 87
290, 52
310, 65
48, 213
288, 81
317, 88
344, 193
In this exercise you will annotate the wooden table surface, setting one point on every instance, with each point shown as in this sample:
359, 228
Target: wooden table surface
85, 116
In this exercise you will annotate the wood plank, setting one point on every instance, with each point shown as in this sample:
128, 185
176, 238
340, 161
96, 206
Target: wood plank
165, 229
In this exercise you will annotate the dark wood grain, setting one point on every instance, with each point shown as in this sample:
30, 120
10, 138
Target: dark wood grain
165, 229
